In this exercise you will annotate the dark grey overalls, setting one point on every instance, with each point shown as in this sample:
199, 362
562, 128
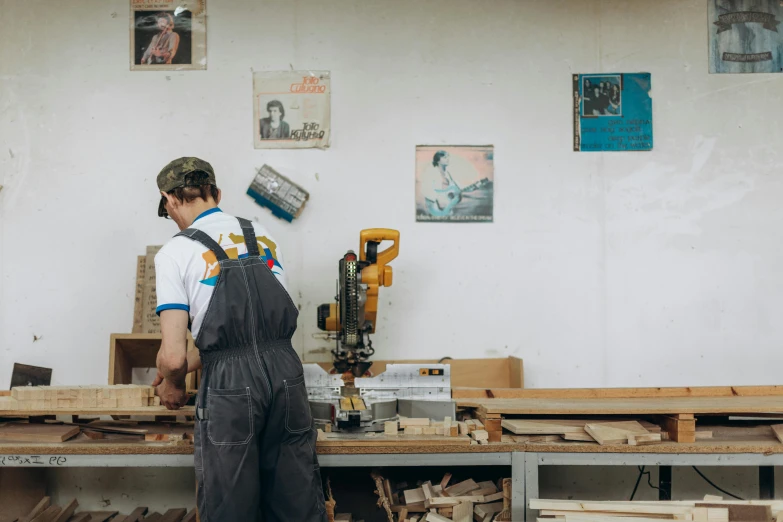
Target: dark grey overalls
254, 436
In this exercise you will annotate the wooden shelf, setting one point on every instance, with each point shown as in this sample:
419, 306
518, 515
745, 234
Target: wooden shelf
129, 351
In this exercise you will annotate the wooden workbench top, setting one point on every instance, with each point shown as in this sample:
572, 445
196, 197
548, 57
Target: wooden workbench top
766, 447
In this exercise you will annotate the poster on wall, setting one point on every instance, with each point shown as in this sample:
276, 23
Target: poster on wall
292, 110
455, 183
168, 35
745, 36
612, 112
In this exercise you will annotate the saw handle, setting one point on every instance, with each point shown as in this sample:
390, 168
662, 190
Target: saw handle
378, 235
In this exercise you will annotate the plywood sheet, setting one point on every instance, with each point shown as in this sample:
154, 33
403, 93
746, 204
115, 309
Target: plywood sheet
646, 406
543, 427
496, 391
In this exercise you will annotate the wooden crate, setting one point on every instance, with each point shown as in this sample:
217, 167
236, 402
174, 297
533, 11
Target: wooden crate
129, 351
505, 372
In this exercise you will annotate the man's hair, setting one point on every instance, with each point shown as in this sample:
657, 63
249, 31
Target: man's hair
196, 186
167, 17
436, 158
275, 103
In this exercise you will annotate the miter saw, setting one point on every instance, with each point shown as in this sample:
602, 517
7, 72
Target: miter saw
352, 318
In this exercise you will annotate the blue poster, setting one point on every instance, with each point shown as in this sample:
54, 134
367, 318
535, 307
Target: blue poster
745, 36
612, 112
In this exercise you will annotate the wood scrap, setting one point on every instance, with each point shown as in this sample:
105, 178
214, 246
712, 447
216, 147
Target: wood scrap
390, 427
413, 496
643, 440
137, 514
777, 429
614, 432
155, 517
173, 515
462, 488
416, 422
98, 516
483, 510
42, 506
445, 482
67, 512
48, 515
26, 432
480, 435
463, 512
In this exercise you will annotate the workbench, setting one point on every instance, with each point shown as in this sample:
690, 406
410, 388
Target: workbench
524, 459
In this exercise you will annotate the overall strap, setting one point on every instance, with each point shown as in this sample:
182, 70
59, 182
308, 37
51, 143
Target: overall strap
197, 235
250, 237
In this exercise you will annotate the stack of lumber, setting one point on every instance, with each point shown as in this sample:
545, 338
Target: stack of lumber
635, 433
711, 509
79, 397
462, 502
44, 511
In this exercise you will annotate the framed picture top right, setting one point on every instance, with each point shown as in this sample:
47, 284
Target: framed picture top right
745, 36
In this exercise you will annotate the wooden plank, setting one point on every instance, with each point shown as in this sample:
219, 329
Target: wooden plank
99, 516
412, 496
461, 392
428, 494
155, 517
48, 515
544, 427
656, 508
81, 517
191, 516
86, 412
434, 517
742, 513
67, 511
644, 406
516, 369
36, 432
173, 515
150, 321
39, 508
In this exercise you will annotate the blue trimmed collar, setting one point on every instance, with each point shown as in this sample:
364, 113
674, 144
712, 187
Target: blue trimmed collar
207, 212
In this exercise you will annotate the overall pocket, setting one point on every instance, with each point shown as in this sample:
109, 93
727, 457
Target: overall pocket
230, 421
297, 408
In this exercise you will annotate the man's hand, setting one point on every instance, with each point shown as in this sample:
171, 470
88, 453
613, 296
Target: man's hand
158, 379
173, 397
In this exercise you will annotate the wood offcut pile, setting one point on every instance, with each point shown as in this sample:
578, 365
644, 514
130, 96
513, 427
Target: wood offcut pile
711, 509
79, 397
177, 433
635, 433
44, 511
464, 501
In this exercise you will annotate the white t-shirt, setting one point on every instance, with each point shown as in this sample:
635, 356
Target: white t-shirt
186, 271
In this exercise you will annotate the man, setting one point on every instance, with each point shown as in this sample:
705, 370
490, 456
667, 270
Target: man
164, 45
273, 127
222, 277
441, 192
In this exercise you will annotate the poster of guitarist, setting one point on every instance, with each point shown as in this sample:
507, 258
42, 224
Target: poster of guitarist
454, 184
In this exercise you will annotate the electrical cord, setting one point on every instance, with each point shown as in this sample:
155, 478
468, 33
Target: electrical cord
639, 479
711, 483
697, 470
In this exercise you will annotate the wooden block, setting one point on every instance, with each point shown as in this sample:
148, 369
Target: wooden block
67, 511
343, 517
155, 517
82, 517
494, 436
480, 435
440, 502
428, 494
434, 517
463, 512
405, 422
428, 430
462, 488
644, 440
681, 428
439, 430
94, 435
413, 496
463, 428
777, 429
453, 431
390, 427
488, 509
413, 430
487, 484
493, 424
703, 435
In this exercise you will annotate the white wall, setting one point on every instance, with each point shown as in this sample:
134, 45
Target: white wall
657, 268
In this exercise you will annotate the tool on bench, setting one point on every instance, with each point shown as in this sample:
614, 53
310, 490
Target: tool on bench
352, 317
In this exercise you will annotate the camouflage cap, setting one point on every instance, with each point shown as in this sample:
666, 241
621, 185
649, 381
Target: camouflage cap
173, 175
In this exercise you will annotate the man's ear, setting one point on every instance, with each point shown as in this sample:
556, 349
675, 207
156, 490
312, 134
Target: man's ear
170, 198
220, 195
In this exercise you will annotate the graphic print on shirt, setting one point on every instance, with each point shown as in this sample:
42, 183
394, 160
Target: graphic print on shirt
266, 246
